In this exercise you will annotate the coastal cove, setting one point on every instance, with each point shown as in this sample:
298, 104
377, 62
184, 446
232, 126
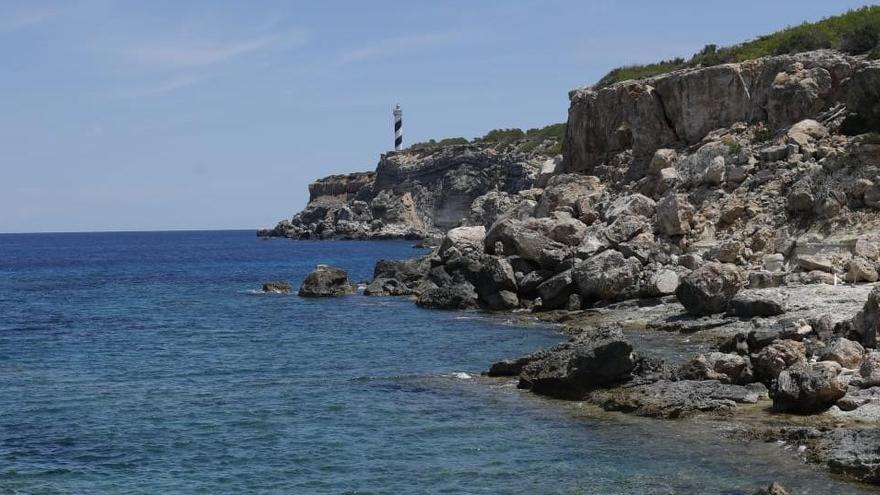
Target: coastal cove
150, 362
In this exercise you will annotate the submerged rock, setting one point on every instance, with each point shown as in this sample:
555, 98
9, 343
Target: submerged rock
326, 281
276, 288
668, 399
856, 453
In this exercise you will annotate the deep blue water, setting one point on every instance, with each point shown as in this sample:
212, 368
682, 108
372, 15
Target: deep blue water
146, 363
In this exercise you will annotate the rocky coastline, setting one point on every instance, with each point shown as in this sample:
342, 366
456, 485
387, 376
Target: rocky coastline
709, 239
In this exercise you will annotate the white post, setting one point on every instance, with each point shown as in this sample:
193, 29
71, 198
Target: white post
398, 124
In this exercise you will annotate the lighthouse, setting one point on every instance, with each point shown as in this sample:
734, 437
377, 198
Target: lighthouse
398, 124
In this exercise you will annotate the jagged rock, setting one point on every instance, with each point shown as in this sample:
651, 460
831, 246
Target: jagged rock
406, 271
763, 279
812, 263
726, 252
845, 352
674, 215
663, 283
750, 306
726, 368
568, 231
496, 283
554, 292
774, 262
866, 249
518, 238
630, 205
668, 399
667, 179
869, 371
662, 159
625, 228
855, 453
276, 287
714, 174
861, 270
387, 287
326, 281
465, 239
806, 132
867, 322
452, 297
772, 359
593, 359
774, 489
528, 286
709, 289
565, 191
691, 261
808, 388
608, 275
643, 247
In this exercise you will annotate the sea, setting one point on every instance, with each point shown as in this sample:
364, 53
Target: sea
150, 363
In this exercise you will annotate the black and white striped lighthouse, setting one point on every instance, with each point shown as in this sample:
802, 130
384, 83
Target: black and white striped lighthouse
398, 125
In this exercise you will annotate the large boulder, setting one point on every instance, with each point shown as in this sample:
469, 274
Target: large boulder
752, 305
844, 352
465, 239
674, 215
867, 322
726, 368
515, 237
593, 359
450, 297
772, 359
554, 291
869, 371
565, 192
326, 281
808, 388
709, 289
608, 275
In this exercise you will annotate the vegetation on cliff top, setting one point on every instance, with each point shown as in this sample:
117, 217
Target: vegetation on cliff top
855, 32
547, 140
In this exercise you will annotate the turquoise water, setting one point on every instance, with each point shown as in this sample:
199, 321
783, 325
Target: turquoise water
147, 363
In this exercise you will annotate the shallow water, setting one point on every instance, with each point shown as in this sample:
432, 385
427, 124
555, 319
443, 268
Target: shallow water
145, 363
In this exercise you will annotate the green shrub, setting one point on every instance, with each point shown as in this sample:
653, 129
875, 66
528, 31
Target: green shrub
856, 31
762, 134
733, 146
861, 38
502, 136
431, 144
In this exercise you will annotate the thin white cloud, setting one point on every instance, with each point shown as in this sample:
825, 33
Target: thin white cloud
394, 46
193, 52
14, 18
161, 87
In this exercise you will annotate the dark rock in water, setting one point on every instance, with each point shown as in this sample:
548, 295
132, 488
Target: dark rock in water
709, 289
750, 305
668, 399
452, 297
856, 453
808, 388
593, 359
276, 287
406, 271
326, 281
774, 489
387, 287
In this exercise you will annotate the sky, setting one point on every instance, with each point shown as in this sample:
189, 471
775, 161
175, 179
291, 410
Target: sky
212, 114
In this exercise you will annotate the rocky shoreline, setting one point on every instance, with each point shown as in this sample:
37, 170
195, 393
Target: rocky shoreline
710, 240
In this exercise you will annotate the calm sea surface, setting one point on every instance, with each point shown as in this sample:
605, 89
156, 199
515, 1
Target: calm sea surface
147, 363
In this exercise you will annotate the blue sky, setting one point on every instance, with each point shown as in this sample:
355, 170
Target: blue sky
144, 115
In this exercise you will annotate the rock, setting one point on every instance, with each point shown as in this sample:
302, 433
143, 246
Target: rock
667, 179
714, 174
496, 276
772, 359
387, 287
709, 289
869, 371
326, 281
867, 322
856, 453
566, 191
674, 215
593, 359
866, 249
800, 197
554, 292
751, 305
808, 388
608, 275
465, 239
625, 228
678, 399
276, 287
845, 352
811, 263
774, 262
509, 367
762, 279
691, 261
806, 132
528, 286
774, 489
726, 252
522, 240
663, 283
568, 231
726, 368
452, 297
630, 205
861, 270
663, 158
774, 153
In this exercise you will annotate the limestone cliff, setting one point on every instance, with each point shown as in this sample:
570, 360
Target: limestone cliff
412, 194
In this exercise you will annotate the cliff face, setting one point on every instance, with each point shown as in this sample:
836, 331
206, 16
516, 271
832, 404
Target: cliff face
681, 108
412, 194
